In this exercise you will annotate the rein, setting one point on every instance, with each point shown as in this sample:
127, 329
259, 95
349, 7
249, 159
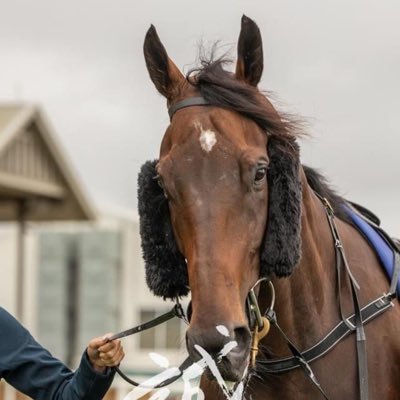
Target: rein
176, 311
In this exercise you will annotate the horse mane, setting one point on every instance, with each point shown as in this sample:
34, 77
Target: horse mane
319, 184
220, 88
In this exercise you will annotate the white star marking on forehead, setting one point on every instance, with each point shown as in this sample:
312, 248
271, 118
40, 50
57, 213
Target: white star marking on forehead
207, 138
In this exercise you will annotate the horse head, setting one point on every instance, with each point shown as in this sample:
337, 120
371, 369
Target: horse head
221, 206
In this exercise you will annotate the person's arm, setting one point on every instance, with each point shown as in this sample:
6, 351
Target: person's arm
31, 369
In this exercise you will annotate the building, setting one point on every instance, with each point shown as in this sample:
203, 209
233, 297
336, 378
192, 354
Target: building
37, 183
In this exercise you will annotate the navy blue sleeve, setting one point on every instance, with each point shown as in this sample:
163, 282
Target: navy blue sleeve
31, 369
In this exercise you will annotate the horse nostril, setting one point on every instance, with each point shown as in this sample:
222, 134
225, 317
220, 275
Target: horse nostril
242, 336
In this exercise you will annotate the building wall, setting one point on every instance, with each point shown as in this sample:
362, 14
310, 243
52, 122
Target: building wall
78, 288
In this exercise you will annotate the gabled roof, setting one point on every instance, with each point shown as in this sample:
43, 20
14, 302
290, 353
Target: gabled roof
33, 167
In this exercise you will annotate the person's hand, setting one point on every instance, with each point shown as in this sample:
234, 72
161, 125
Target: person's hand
103, 354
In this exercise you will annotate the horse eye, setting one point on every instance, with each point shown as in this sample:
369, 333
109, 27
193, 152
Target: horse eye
260, 174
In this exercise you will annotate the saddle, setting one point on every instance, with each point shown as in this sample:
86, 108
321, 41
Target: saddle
385, 247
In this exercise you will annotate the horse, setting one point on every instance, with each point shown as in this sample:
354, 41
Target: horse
227, 204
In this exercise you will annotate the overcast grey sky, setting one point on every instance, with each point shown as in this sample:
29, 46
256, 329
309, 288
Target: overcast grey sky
335, 62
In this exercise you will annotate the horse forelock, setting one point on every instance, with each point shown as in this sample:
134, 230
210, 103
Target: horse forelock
221, 88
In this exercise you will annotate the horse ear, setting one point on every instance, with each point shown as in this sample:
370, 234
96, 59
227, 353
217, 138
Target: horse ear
250, 61
163, 72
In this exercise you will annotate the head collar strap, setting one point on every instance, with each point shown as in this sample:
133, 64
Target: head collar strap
189, 102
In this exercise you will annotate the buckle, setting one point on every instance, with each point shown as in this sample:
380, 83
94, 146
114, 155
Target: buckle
327, 205
349, 324
338, 244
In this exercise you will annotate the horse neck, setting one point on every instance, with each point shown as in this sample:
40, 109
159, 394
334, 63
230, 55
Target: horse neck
306, 304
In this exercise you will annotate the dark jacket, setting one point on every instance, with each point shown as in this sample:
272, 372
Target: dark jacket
31, 369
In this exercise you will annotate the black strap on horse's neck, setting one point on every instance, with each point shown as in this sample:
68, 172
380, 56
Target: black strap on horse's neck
189, 102
341, 260
338, 333
348, 325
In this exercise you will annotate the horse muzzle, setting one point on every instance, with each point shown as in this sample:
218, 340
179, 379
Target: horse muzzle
220, 349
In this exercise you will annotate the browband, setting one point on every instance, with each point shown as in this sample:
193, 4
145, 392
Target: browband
190, 101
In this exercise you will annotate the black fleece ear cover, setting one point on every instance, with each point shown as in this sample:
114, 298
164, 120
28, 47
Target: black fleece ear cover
166, 270
281, 250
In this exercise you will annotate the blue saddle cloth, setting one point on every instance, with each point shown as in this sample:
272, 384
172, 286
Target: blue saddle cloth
383, 250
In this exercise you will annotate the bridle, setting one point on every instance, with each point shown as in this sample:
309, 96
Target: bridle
259, 323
